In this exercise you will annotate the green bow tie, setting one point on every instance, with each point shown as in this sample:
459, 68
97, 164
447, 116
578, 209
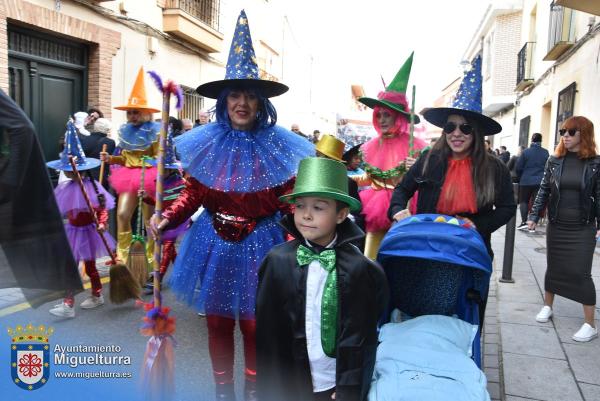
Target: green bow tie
329, 302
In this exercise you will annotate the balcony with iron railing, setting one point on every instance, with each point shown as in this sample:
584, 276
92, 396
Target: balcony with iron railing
525, 66
195, 21
561, 35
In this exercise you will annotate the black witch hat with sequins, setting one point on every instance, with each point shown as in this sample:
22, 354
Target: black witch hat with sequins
242, 69
467, 103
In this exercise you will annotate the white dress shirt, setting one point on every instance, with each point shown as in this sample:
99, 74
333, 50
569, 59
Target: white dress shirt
322, 367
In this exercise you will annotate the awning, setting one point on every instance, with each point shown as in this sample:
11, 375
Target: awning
588, 6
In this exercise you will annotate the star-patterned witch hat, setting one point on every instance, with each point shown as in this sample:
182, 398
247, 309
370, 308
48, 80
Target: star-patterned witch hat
242, 70
467, 103
73, 148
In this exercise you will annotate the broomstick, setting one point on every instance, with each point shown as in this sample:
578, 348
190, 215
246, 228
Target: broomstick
121, 282
411, 150
101, 177
137, 262
159, 361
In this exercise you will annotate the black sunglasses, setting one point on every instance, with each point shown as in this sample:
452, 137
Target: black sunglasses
571, 131
465, 128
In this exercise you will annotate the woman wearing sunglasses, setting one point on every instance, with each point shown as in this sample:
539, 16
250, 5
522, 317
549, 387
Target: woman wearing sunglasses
571, 190
457, 177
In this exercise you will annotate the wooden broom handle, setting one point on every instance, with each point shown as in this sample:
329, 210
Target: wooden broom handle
90, 207
104, 147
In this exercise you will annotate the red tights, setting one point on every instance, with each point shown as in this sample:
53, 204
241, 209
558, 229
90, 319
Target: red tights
220, 345
168, 256
92, 273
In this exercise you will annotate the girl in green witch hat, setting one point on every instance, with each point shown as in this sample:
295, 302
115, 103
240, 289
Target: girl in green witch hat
386, 157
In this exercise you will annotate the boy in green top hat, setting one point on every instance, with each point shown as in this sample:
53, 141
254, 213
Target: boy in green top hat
319, 298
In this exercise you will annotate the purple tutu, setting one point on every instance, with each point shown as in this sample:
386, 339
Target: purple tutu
69, 197
86, 243
172, 234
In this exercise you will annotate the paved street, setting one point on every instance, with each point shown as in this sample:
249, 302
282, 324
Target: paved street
118, 325
526, 360
523, 359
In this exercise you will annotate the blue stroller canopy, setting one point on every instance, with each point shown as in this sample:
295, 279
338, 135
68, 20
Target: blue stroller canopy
436, 237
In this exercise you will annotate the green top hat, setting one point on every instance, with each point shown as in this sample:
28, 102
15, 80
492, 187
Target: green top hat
321, 177
394, 96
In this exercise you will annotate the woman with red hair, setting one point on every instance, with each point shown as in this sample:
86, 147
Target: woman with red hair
386, 158
571, 189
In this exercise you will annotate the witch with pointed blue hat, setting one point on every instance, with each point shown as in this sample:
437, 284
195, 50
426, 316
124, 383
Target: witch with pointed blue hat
82, 234
457, 177
238, 167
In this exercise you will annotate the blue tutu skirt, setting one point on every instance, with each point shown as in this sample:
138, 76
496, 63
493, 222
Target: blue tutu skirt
219, 277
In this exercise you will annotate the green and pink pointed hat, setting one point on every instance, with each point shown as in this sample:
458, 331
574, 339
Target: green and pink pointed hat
394, 96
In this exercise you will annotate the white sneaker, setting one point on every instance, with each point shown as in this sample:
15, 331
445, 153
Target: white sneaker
544, 315
585, 333
63, 310
92, 302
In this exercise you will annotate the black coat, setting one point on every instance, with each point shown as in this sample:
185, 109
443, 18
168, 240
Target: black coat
92, 146
283, 371
37, 255
530, 166
549, 192
487, 219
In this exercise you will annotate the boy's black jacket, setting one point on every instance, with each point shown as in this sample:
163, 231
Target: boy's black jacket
283, 371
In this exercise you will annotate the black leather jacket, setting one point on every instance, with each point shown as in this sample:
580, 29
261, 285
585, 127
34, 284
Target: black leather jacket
549, 193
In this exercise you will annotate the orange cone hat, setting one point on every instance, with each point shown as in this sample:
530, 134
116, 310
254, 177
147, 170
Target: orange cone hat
137, 99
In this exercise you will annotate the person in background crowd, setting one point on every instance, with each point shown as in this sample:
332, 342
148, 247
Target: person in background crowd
352, 159
571, 189
203, 118
296, 130
238, 167
175, 126
315, 136
93, 115
488, 147
512, 164
504, 154
530, 170
187, 125
79, 120
92, 145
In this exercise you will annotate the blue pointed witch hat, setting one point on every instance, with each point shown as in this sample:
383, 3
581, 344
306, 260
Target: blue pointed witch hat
242, 70
73, 148
467, 103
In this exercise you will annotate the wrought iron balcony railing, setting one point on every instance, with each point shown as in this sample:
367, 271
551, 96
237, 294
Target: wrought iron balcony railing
525, 66
206, 11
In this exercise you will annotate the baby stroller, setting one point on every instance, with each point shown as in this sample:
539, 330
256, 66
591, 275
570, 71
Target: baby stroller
438, 270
